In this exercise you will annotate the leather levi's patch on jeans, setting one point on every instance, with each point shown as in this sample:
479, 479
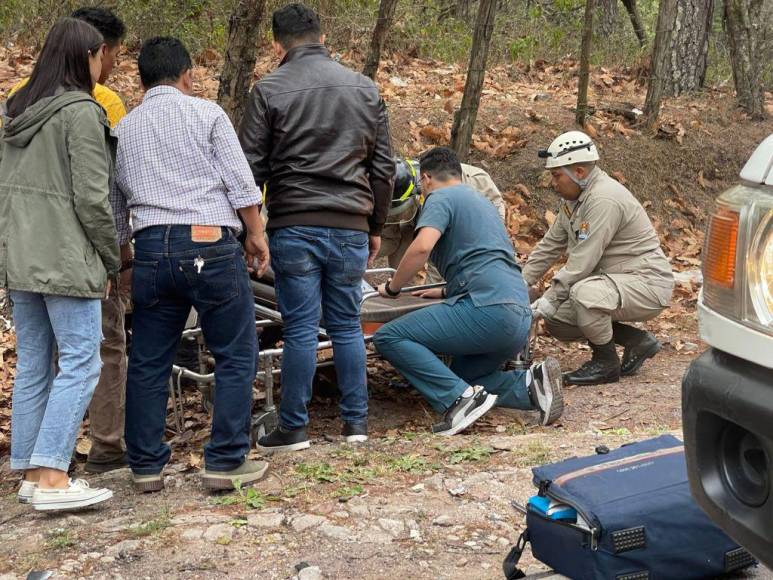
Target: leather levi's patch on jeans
205, 233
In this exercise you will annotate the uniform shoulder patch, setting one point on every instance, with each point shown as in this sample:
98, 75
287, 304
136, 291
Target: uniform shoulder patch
584, 231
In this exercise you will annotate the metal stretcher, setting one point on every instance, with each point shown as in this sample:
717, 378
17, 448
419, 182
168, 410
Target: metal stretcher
375, 311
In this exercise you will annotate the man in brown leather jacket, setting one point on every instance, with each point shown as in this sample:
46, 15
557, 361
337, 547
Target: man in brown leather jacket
316, 135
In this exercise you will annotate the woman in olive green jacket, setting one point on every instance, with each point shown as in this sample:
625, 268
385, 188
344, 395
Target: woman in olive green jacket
58, 251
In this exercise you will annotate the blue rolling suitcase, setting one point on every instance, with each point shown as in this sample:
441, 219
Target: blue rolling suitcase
625, 514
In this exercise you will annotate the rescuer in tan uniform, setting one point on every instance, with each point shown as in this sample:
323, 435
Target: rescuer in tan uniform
406, 204
615, 272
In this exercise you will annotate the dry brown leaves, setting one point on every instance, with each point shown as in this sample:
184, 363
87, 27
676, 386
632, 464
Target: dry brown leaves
7, 375
500, 143
671, 130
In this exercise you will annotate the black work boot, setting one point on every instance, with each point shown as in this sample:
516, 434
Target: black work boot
639, 346
603, 367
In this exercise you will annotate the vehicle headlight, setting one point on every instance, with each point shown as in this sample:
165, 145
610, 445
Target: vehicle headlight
738, 257
759, 266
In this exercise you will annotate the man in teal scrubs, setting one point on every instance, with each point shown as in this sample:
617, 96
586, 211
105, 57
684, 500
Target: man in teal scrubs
485, 318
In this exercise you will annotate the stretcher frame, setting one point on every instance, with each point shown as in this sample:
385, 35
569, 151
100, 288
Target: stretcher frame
269, 360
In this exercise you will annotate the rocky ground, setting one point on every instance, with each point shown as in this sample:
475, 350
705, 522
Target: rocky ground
405, 504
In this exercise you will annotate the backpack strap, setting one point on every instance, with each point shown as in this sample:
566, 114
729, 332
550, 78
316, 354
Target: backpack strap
510, 565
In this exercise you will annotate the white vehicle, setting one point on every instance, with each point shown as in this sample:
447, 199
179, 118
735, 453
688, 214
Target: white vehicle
727, 393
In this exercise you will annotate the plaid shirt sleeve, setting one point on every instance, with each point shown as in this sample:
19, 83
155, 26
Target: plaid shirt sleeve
117, 201
232, 165
120, 214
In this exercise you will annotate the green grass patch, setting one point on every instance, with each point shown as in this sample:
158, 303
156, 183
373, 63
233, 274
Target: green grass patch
321, 472
248, 497
535, 453
152, 527
347, 492
470, 454
409, 463
60, 538
619, 432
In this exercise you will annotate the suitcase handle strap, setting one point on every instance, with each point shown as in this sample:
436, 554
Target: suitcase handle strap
510, 565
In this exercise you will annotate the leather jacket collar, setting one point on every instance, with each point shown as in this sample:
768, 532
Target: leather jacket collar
304, 50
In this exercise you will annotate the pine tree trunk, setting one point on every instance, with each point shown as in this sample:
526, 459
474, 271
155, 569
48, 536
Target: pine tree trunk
464, 120
607, 14
587, 40
660, 54
687, 56
638, 27
744, 25
386, 13
240, 54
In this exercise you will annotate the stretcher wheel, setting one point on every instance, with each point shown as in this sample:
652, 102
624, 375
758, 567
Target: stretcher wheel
262, 424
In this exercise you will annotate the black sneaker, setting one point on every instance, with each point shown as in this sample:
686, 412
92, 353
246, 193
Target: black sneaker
465, 411
281, 439
105, 466
545, 390
355, 432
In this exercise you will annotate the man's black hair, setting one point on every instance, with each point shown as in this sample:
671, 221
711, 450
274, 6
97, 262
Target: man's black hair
295, 24
441, 163
109, 25
162, 60
62, 64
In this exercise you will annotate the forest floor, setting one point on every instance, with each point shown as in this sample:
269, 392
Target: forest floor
407, 503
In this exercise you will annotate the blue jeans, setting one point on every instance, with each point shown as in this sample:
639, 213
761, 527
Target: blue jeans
480, 339
48, 407
318, 271
166, 283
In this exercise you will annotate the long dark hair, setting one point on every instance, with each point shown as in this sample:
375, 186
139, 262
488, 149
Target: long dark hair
63, 62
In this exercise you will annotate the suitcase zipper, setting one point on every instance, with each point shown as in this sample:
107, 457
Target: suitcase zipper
589, 532
594, 531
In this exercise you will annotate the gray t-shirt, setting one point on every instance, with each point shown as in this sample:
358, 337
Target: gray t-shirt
474, 253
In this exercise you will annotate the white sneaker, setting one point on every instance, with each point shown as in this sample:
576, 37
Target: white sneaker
26, 489
465, 411
546, 390
77, 494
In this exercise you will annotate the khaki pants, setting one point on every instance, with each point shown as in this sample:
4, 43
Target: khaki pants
106, 411
395, 240
597, 301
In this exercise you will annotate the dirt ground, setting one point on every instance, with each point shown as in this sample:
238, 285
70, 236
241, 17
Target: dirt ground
405, 504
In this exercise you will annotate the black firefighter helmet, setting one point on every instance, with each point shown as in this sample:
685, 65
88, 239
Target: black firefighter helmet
407, 185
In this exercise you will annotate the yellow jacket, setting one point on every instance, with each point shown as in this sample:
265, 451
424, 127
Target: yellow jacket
110, 101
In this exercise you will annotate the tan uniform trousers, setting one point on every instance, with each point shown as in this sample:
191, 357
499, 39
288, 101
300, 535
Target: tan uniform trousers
106, 410
595, 302
395, 240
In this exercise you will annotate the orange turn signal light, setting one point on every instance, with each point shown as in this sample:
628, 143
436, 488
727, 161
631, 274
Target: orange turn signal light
721, 244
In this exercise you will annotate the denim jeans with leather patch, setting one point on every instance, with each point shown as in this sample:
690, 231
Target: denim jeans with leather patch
318, 274
172, 273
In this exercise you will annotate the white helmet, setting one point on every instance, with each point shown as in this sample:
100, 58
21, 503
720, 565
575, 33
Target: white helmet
569, 148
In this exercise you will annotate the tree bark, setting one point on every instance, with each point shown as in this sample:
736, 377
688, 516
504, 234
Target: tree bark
240, 54
638, 27
607, 14
688, 53
464, 120
744, 24
660, 53
386, 13
587, 40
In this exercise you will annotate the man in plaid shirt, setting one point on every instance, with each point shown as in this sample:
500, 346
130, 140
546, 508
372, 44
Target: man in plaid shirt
186, 182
